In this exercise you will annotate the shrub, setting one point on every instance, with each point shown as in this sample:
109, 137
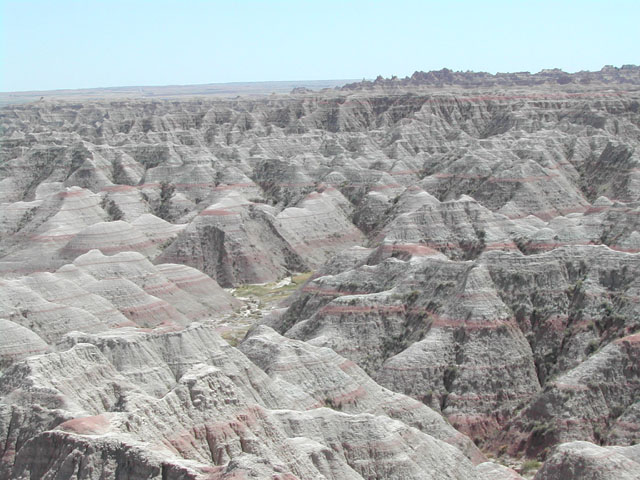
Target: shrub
530, 465
166, 192
592, 346
450, 374
413, 296
330, 403
112, 209
26, 218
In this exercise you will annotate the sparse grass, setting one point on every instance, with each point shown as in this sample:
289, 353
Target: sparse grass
257, 299
330, 403
591, 347
530, 466
234, 336
542, 430
271, 293
26, 218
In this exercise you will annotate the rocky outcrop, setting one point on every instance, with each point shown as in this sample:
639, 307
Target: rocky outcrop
96, 293
347, 388
431, 349
475, 257
213, 415
587, 402
548, 155
18, 342
426, 326
627, 74
586, 460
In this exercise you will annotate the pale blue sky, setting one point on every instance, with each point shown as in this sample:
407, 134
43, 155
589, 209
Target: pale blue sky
76, 44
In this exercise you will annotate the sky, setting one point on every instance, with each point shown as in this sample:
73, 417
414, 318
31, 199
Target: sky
59, 44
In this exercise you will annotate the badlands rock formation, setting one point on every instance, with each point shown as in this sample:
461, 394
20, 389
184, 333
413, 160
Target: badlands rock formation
475, 248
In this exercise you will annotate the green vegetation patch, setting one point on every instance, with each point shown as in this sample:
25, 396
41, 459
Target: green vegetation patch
530, 466
271, 292
235, 335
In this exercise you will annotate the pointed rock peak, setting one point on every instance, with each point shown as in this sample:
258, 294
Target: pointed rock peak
602, 202
466, 198
48, 188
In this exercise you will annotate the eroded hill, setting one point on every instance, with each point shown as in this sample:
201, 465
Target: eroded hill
475, 246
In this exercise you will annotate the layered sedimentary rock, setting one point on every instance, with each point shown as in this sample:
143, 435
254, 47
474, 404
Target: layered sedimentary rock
548, 154
586, 460
347, 388
627, 74
475, 244
98, 292
427, 326
212, 415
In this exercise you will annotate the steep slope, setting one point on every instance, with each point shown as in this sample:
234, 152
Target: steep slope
208, 415
475, 246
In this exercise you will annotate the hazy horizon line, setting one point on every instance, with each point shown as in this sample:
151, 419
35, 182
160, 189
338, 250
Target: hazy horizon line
248, 82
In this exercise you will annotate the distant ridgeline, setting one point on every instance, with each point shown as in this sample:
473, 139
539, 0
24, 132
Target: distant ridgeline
627, 74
